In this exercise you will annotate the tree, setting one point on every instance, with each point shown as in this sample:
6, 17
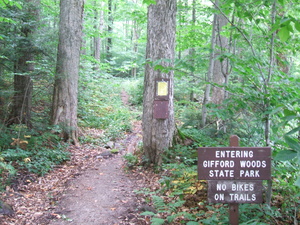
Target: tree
218, 71
109, 31
23, 66
158, 133
98, 28
64, 108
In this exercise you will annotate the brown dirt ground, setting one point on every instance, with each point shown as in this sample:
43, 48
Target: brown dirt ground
89, 189
102, 195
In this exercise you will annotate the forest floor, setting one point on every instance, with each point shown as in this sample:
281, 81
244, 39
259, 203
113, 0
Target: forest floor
93, 187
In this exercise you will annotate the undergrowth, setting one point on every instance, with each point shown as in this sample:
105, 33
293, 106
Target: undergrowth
24, 150
102, 108
38, 149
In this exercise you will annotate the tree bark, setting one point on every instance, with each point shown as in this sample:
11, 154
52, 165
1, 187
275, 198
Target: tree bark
99, 19
135, 37
64, 108
21, 107
206, 98
109, 30
220, 69
158, 133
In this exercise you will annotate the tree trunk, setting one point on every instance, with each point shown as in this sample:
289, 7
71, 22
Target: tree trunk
135, 37
192, 54
158, 133
206, 98
64, 108
109, 30
220, 69
21, 108
97, 39
266, 92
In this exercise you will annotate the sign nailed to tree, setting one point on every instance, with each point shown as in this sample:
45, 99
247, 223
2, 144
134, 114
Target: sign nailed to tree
234, 163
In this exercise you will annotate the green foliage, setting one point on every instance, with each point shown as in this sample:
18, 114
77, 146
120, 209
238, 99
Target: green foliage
5, 167
25, 150
103, 108
149, 2
135, 89
131, 160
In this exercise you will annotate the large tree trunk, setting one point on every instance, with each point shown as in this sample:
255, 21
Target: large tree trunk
64, 109
158, 133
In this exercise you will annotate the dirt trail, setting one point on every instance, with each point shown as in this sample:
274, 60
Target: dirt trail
103, 195
91, 188
99, 196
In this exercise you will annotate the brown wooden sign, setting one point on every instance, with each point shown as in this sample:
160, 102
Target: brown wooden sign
234, 163
235, 191
160, 109
234, 174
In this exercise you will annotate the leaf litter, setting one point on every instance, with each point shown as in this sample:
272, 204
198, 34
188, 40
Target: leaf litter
49, 199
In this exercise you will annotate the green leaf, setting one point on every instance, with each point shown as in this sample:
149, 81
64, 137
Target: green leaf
284, 34
297, 182
159, 67
147, 213
288, 112
292, 143
293, 131
290, 28
285, 155
297, 25
157, 221
149, 2
192, 223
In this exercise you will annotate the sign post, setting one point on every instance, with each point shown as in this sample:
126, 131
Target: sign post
234, 174
234, 207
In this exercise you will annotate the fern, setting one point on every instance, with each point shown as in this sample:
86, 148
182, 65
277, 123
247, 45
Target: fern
7, 167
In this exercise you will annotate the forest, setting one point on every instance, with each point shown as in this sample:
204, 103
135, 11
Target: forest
196, 73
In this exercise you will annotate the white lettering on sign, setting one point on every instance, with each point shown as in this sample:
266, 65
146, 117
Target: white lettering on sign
234, 154
235, 191
221, 173
249, 173
221, 187
218, 163
242, 197
230, 163
219, 197
253, 164
242, 187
